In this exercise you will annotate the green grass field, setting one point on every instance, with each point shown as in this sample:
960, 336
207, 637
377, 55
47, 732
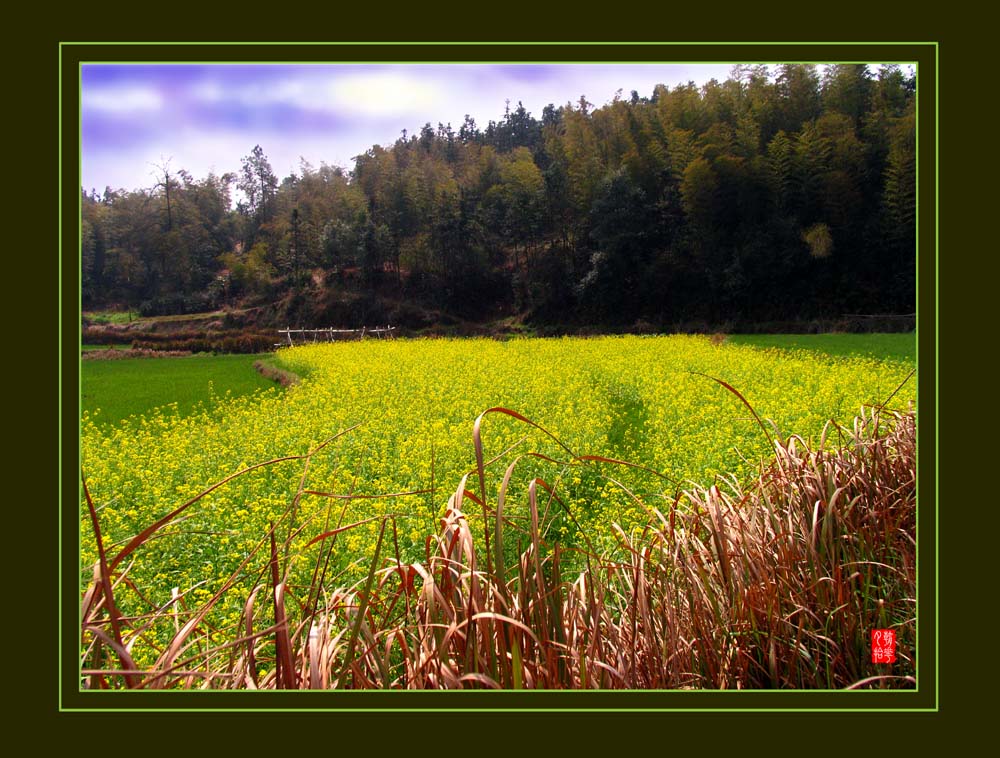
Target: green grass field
128, 386
120, 317
894, 347
111, 317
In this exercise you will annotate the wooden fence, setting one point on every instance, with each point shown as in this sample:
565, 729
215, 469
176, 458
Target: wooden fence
333, 335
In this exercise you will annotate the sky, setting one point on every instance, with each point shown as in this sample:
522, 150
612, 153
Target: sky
206, 118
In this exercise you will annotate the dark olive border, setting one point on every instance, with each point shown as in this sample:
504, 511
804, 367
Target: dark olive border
924, 699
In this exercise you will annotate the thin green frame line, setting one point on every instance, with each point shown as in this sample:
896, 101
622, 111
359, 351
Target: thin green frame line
453, 62
650, 691
79, 367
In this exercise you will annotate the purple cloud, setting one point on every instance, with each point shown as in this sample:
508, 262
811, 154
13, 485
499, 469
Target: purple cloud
210, 116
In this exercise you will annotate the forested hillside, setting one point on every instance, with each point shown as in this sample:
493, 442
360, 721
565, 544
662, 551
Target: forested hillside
786, 192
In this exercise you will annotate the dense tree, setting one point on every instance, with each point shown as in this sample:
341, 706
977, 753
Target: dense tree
93, 244
797, 87
620, 222
847, 89
259, 186
514, 205
784, 192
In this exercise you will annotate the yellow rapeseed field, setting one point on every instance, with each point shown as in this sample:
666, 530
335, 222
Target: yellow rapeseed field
638, 399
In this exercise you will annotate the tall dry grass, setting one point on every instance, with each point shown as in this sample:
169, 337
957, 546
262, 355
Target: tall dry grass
777, 584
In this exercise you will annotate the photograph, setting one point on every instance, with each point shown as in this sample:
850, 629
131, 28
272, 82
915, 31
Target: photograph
566, 378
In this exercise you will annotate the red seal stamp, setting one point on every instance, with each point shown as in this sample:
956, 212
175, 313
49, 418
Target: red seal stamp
883, 646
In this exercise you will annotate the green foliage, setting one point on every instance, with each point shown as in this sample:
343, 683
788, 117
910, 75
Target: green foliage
178, 304
700, 192
258, 184
246, 273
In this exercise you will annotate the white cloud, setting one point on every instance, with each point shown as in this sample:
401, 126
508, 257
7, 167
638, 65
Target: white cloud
328, 113
122, 99
383, 93
365, 93
198, 152
209, 92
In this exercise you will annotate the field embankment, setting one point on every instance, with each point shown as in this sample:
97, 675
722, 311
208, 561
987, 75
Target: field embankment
215, 332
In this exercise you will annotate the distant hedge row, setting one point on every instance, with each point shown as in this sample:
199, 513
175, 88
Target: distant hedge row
241, 343
178, 303
195, 341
